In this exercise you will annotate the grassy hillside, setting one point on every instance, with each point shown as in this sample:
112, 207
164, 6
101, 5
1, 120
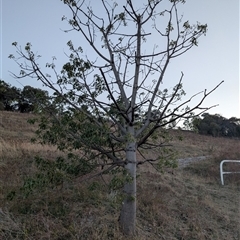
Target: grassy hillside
184, 203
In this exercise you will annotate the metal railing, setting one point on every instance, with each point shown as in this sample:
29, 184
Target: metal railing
221, 169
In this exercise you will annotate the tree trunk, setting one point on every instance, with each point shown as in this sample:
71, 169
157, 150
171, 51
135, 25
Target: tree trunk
128, 211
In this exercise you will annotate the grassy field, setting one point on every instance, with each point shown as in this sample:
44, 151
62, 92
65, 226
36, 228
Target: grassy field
183, 203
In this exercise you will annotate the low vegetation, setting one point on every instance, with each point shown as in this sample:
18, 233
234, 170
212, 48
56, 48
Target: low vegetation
183, 203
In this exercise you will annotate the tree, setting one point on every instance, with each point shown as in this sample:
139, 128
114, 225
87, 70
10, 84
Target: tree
9, 96
216, 125
25, 100
103, 93
32, 99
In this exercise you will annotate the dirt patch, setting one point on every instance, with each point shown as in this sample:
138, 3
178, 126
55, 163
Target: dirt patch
183, 162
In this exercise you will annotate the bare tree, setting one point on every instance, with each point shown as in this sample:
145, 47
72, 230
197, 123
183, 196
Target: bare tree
131, 45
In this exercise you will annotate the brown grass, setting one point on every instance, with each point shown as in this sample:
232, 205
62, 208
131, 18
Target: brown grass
187, 203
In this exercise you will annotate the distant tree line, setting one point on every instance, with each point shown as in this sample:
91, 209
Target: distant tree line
24, 100
216, 125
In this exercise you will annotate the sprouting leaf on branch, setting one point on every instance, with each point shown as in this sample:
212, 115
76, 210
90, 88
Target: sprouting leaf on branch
186, 25
28, 46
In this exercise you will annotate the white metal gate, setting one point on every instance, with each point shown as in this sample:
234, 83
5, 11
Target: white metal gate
221, 169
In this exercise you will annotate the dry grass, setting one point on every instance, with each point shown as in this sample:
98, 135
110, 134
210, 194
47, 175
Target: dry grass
187, 203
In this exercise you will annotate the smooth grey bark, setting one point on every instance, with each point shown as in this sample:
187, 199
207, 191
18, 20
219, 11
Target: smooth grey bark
128, 211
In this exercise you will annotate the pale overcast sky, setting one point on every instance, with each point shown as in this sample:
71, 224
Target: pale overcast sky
215, 59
